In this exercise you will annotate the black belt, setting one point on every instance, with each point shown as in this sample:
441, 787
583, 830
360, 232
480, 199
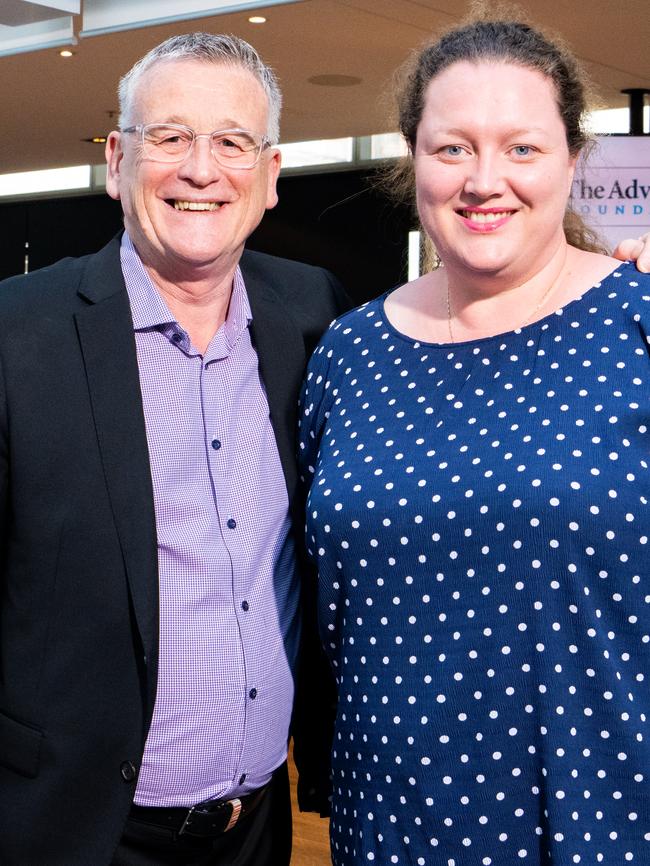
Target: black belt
210, 818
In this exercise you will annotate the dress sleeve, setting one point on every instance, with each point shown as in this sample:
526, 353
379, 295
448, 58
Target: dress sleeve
638, 304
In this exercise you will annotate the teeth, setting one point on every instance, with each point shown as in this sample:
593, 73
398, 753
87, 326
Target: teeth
480, 217
196, 205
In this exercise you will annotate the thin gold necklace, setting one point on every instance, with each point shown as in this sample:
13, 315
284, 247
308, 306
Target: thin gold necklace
532, 313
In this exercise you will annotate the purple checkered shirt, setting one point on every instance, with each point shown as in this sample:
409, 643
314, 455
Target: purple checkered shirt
229, 617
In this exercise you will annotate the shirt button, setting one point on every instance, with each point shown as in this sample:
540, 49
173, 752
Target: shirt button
244, 605
128, 771
176, 337
216, 444
252, 694
242, 778
232, 523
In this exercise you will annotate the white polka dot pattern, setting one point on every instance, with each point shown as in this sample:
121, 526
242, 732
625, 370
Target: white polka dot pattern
479, 516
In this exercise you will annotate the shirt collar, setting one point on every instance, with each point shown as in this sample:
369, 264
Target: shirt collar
149, 310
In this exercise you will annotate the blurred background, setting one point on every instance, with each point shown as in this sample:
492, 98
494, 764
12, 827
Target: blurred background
60, 61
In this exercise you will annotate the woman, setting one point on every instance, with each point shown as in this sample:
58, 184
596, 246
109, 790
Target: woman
477, 447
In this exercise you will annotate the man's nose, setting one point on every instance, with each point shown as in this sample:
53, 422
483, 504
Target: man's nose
200, 166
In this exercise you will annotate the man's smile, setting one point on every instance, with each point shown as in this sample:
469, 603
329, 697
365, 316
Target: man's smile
180, 204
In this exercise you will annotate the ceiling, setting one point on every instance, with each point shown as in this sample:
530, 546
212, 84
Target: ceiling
50, 104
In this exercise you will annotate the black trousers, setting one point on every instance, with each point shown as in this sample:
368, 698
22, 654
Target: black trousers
261, 839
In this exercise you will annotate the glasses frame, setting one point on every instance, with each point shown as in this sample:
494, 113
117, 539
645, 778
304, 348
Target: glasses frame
141, 128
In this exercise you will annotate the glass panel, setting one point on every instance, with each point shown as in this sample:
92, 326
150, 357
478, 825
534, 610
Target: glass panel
610, 120
386, 145
414, 255
323, 152
48, 180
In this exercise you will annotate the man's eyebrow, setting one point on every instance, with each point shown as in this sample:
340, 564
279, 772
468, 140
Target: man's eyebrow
173, 118
225, 123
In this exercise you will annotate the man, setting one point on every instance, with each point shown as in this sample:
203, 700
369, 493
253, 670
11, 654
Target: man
150, 614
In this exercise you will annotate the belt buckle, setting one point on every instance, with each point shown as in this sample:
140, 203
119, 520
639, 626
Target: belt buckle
187, 821
235, 813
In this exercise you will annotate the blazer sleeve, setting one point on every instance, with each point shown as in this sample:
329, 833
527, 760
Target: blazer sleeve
4, 471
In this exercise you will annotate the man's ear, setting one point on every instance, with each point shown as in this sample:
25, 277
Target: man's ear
114, 153
273, 172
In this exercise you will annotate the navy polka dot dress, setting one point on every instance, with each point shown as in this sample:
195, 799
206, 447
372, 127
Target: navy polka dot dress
479, 516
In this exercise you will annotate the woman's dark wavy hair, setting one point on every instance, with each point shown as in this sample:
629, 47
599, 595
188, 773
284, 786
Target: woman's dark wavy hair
502, 41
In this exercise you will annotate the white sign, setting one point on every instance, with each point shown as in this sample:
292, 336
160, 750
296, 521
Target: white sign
611, 190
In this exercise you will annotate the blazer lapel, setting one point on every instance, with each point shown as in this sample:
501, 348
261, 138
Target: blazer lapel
105, 330
282, 358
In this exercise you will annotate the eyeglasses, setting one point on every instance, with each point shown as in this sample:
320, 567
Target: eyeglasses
173, 142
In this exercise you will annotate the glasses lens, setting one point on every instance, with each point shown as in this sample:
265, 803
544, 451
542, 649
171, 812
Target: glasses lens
236, 148
166, 143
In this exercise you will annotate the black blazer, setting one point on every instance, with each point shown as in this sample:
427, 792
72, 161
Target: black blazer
78, 566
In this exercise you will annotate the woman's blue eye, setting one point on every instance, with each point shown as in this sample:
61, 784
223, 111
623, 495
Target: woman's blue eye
453, 150
522, 150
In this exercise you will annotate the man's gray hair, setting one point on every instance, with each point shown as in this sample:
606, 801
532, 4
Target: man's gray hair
206, 48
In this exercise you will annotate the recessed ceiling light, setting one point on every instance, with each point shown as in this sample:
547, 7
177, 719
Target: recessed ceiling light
334, 80
96, 139
257, 19
66, 53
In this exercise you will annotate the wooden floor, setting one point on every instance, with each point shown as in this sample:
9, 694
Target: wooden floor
310, 833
